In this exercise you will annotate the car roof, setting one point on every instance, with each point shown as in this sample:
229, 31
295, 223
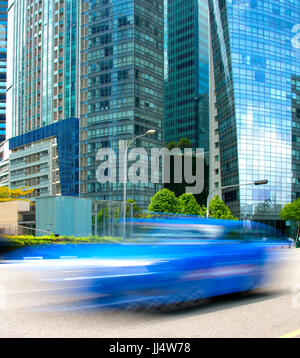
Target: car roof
188, 220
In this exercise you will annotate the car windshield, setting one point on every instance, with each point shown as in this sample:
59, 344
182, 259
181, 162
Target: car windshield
157, 230
172, 231
253, 232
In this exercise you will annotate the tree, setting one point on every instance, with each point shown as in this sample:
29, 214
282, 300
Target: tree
172, 145
136, 211
179, 188
291, 212
184, 143
7, 194
202, 211
188, 205
219, 210
107, 214
164, 201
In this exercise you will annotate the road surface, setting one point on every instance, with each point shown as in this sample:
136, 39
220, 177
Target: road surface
26, 310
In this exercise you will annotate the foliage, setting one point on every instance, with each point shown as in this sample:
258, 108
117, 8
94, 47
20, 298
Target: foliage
184, 143
106, 214
180, 188
172, 145
29, 240
7, 194
219, 210
135, 209
164, 201
266, 208
188, 205
291, 212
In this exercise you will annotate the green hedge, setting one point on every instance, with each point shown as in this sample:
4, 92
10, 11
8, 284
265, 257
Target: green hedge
28, 240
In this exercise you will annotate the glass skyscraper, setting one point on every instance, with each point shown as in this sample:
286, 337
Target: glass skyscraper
3, 56
187, 82
256, 64
43, 84
43, 95
101, 61
296, 137
122, 64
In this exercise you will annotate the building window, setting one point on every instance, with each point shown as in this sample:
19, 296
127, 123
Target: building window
230, 196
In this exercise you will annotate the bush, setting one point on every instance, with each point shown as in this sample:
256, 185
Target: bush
164, 201
28, 240
219, 210
188, 205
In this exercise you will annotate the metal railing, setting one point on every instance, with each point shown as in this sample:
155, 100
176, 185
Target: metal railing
18, 230
107, 218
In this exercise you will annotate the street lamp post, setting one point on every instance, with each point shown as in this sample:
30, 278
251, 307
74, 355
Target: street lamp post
257, 182
149, 132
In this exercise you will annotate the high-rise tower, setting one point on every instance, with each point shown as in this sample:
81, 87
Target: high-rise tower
43, 95
122, 53
43, 65
3, 63
256, 64
187, 83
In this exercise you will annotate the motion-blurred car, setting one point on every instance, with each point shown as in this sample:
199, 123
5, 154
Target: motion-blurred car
164, 261
291, 242
6, 245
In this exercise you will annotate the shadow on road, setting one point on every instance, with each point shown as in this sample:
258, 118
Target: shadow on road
204, 306
215, 304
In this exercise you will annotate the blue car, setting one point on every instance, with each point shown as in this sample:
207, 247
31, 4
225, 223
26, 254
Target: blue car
165, 261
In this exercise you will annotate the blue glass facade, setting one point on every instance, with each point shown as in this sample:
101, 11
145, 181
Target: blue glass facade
67, 134
3, 57
296, 137
187, 77
256, 59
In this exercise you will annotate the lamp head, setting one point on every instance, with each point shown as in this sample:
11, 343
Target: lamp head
261, 182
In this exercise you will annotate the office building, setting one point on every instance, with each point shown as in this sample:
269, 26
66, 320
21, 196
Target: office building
43, 96
43, 71
3, 56
214, 140
256, 64
4, 163
187, 83
122, 66
46, 159
99, 61
296, 137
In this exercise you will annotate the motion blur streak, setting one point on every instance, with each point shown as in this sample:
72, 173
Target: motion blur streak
162, 261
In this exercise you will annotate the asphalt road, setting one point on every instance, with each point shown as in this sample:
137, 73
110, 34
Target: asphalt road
27, 310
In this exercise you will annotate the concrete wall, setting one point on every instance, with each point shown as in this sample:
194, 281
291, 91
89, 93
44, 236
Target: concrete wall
69, 216
4, 163
10, 211
41, 176
214, 165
